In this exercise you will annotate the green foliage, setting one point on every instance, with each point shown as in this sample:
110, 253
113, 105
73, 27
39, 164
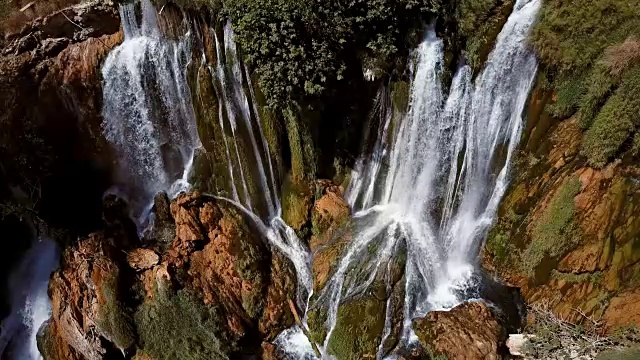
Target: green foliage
569, 93
553, 234
615, 123
303, 48
572, 35
479, 22
114, 319
179, 326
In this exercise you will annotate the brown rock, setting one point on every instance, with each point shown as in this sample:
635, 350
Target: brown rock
77, 293
623, 310
469, 331
142, 259
268, 351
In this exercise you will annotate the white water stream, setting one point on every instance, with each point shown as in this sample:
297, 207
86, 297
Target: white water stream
30, 306
148, 114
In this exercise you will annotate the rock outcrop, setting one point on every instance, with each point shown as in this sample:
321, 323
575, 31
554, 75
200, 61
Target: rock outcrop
567, 233
470, 331
114, 298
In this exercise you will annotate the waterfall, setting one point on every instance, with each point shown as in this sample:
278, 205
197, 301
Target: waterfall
148, 115
30, 306
431, 189
239, 116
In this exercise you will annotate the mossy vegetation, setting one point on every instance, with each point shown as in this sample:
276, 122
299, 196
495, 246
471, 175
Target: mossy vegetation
358, 329
616, 122
554, 233
594, 277
180, 326
589, 52
297, 200
479, 22
114, 318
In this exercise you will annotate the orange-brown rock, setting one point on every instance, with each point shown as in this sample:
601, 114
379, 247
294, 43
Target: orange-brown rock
78, 292
330, 218
468, 332
142, 259
228, 262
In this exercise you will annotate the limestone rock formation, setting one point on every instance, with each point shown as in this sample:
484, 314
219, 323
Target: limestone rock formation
470, 331
567, 233
108, 303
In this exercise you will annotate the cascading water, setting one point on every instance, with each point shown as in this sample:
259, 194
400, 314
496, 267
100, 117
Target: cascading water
148, 114
30, 306
240, 116
432, 187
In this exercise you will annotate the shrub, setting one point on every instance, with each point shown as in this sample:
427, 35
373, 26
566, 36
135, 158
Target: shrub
619, 58
572, 35
556, 338
553, 234
626, 354
179, 326
615, 123
303, 48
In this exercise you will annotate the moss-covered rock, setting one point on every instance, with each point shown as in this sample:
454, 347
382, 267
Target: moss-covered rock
180, 326
359, 329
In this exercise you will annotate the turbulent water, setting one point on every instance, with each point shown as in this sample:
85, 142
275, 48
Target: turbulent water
148, 114
30, 306
432, 186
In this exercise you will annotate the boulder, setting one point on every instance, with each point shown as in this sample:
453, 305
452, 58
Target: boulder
142, 259
467, 332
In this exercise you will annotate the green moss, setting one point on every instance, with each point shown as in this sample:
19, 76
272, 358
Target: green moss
479, 22
400, 95
303, 155
595, 277
569, 93
599, 85
498, 245
554, 233
179, 326
316, 318
250, 254
113, 318
358, 329
615, 123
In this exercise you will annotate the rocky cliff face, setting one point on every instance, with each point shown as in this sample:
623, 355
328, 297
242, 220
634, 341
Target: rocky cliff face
567, 232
